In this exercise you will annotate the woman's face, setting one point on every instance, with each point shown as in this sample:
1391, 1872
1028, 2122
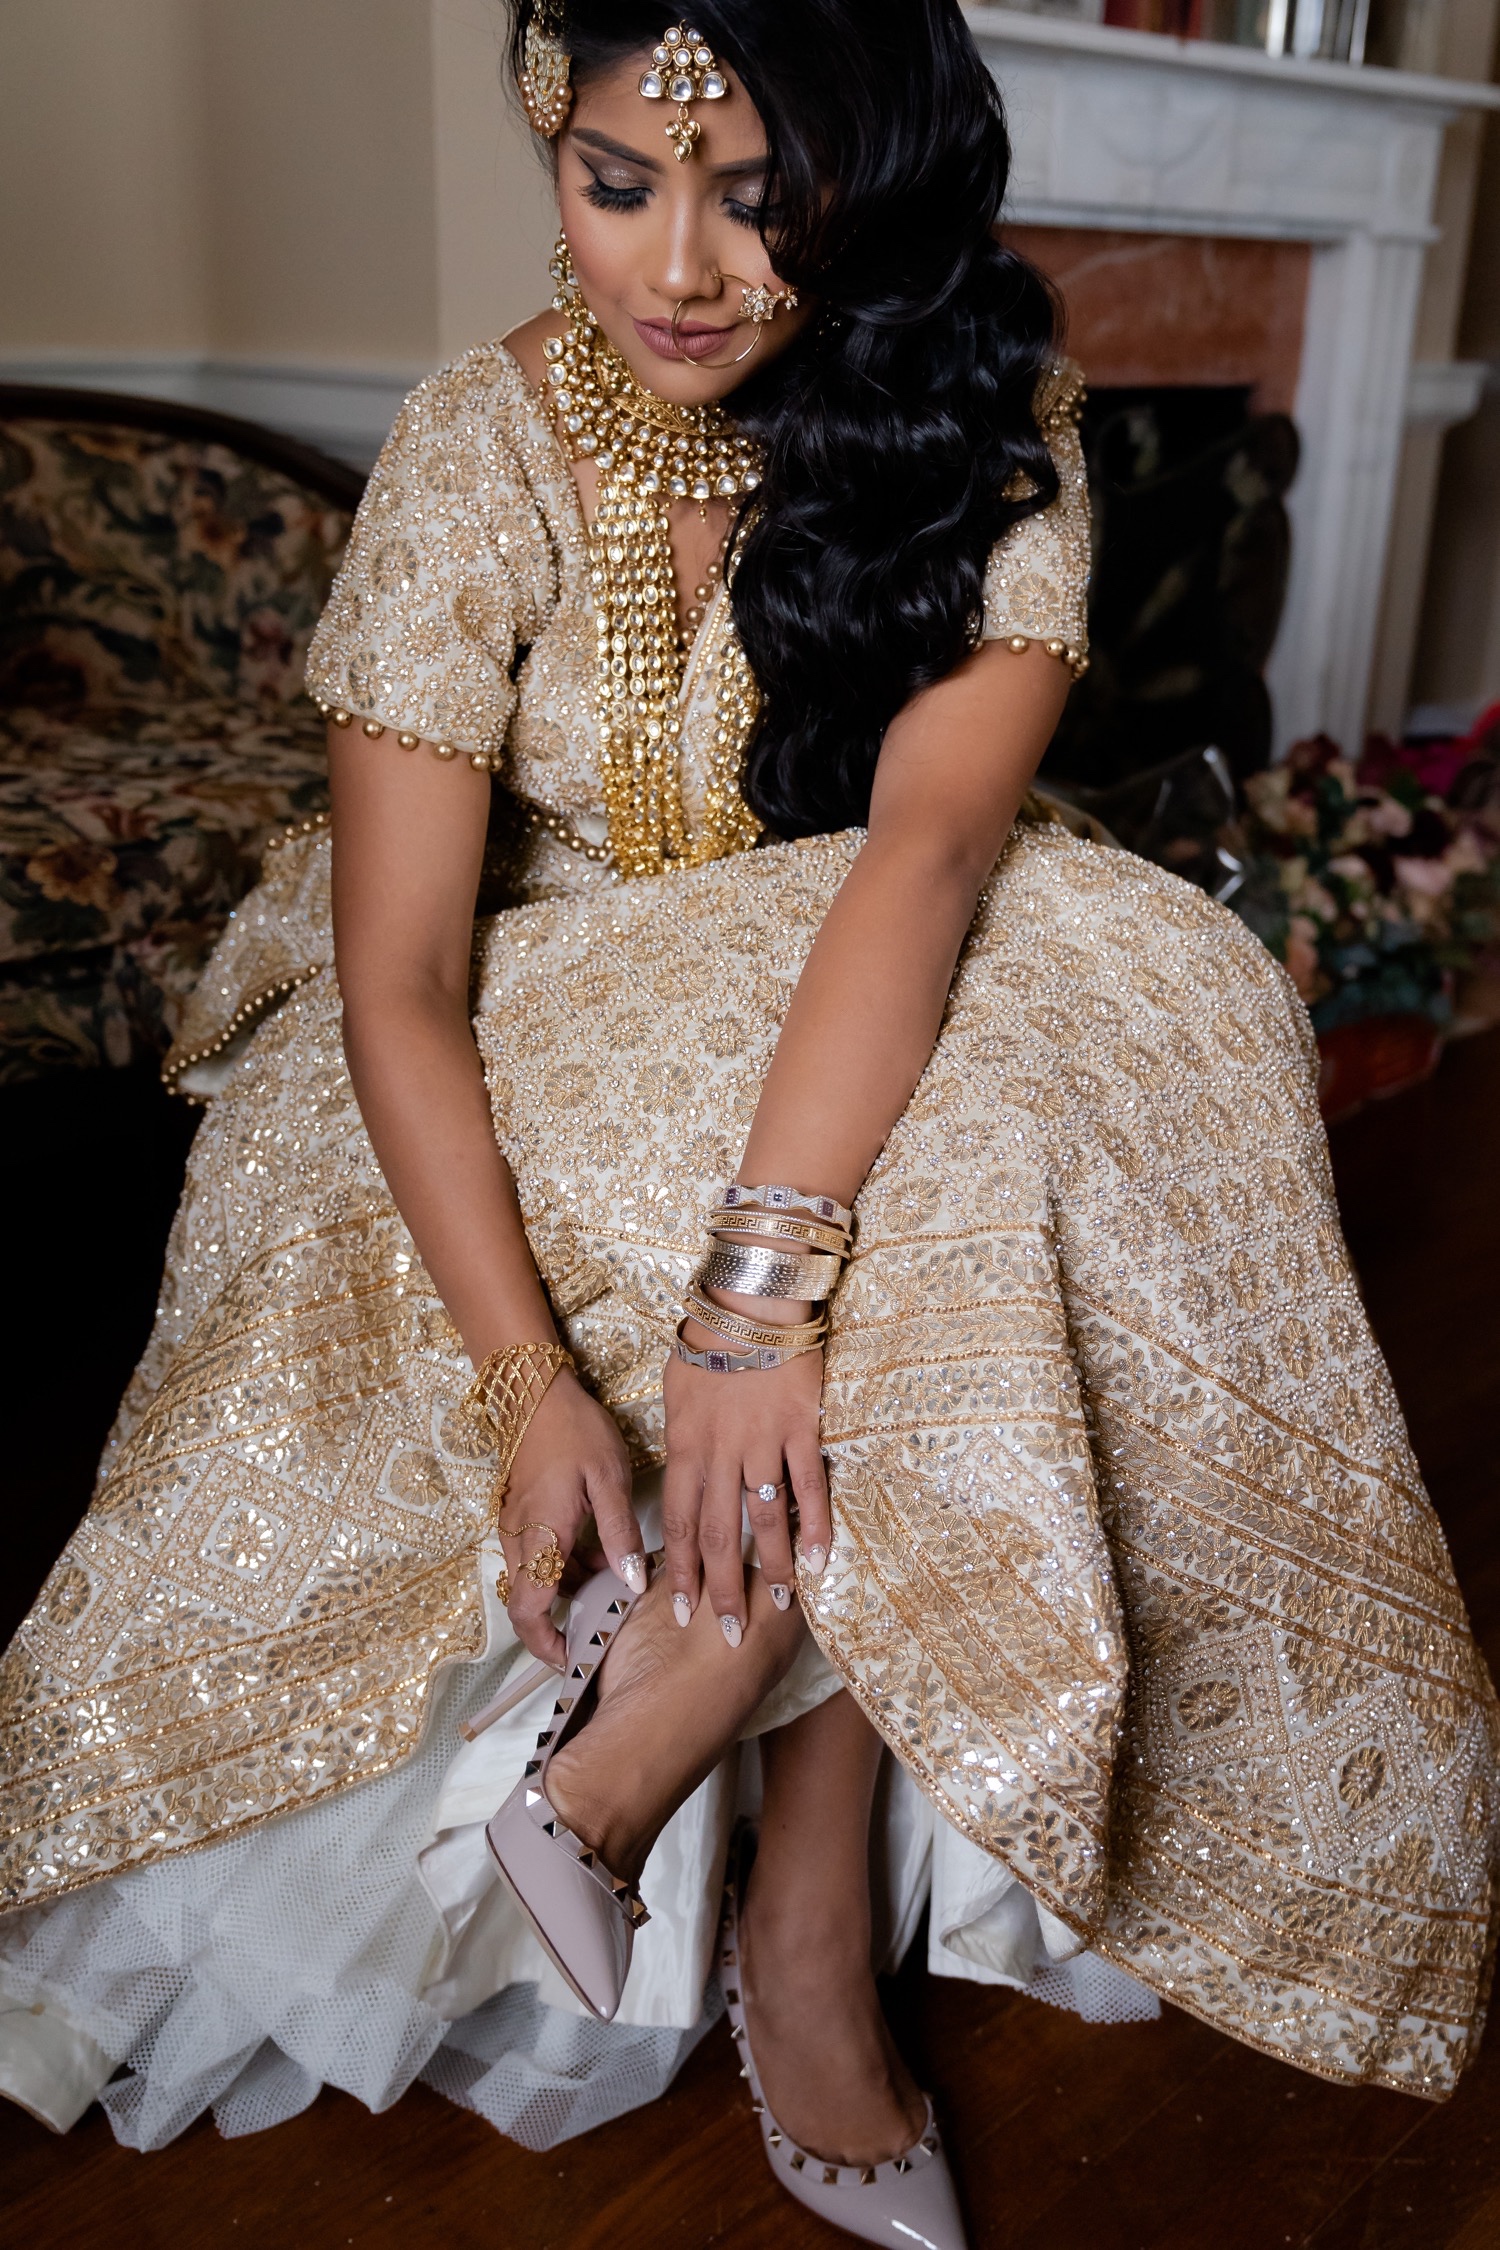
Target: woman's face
652, 238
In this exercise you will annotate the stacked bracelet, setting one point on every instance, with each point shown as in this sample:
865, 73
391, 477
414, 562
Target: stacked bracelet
798, 1258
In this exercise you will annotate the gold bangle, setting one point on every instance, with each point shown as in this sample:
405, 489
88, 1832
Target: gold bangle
734, 1328
508, 1389
741, 1226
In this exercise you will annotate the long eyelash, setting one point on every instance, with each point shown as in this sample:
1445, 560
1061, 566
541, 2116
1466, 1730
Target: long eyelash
605, 198
743, 214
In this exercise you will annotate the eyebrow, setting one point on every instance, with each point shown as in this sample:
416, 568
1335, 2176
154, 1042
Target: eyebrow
607, 147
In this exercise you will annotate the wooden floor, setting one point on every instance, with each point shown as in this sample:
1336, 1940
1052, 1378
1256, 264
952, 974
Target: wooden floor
1146, 2137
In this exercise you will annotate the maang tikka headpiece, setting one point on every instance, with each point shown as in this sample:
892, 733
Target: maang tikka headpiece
683, 70
545, 85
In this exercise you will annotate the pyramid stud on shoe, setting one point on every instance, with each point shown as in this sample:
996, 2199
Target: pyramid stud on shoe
584, 1916
908, 2202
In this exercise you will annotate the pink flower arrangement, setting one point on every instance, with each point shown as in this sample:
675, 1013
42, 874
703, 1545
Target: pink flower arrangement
1376, 883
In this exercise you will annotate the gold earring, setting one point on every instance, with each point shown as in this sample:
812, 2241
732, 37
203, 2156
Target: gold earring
545, 84
683, 70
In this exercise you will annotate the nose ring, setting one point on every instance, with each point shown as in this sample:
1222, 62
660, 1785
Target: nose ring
761, 305
715, 275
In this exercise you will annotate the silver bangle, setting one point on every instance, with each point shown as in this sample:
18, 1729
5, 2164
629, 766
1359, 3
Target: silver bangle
737, 1198
738, 1363
750, 1271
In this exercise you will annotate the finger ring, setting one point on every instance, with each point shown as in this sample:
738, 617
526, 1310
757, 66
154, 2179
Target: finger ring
545, 1568
767, 1492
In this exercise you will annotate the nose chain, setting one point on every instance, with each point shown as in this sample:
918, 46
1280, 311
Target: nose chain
649, 453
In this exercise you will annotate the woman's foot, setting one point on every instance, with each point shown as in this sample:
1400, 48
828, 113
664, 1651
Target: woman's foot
669, 1703
828, 2068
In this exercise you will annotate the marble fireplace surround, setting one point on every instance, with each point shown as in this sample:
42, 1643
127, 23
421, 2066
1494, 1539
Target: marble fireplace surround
1130, 132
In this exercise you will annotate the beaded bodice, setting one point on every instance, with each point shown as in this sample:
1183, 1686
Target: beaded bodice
465, 616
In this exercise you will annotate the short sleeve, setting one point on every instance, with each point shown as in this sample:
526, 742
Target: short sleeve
1036, 586
449, 568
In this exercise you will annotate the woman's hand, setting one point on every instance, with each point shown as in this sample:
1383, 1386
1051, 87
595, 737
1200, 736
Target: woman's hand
726, 1436
572, 1464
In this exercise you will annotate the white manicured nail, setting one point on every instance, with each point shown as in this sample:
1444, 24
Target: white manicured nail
682, 1609
782, 1596
734, 1632
632, 1568
816, 1559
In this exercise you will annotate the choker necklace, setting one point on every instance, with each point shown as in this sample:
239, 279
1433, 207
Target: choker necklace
650, 453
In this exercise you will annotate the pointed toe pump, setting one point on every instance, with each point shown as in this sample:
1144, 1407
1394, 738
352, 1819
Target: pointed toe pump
908, 2203
584, 1916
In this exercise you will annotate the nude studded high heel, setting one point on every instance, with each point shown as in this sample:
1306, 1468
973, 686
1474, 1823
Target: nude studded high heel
908, 2203
584, 1916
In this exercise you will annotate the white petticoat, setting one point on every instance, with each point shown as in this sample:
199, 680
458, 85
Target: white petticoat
368, 1942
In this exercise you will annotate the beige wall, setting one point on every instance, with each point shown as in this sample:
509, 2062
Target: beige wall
320, 211
102, 245
1458, 658
1457, 39
496, 214
334, 182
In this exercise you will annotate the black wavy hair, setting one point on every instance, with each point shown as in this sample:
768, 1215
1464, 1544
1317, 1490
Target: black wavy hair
900, 434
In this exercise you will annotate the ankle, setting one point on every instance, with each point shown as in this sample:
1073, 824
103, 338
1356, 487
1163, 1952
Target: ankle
797, 1923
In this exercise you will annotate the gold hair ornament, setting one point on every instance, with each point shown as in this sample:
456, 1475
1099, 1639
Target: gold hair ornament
545, 85
683, 70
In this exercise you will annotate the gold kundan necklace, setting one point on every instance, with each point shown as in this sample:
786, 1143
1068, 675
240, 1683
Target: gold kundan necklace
649, 453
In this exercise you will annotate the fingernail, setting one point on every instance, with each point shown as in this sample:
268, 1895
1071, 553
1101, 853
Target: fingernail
733, 1630
682, 1609
782, 1596
632, 1568
816, 1559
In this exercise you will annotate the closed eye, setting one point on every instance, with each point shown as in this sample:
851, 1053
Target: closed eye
605, 197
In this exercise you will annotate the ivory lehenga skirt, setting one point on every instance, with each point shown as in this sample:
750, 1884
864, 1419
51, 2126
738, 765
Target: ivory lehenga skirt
1134, 1571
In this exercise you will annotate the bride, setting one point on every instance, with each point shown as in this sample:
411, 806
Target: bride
736, 1270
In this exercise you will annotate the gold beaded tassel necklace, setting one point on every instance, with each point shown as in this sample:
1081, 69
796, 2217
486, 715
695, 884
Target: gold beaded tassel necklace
649, 453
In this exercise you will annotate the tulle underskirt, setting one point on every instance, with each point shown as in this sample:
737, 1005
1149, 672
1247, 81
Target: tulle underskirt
367, 1942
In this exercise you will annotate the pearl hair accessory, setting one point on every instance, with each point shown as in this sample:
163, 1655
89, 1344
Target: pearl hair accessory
544, 84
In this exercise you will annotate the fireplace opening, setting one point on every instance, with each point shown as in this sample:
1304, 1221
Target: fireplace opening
1191, 551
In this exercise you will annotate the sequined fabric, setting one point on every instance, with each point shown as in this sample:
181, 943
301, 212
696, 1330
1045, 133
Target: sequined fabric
1133, 1569
1133, 1566
464, 611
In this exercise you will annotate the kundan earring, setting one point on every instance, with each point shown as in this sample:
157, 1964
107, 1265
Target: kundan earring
683, 70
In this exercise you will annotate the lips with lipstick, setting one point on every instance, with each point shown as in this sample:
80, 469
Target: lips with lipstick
694, 338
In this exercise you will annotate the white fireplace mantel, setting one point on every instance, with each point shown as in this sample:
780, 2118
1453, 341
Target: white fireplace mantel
1129, 130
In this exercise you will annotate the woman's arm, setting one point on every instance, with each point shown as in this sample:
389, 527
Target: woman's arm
408, 842
865, 1015
862, 1023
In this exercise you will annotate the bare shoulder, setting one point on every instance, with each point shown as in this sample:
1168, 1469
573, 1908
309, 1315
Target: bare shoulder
525, 343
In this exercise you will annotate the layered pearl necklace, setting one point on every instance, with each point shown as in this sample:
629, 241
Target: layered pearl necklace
648, 454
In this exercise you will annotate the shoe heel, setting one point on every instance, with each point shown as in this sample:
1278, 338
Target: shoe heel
516, 1689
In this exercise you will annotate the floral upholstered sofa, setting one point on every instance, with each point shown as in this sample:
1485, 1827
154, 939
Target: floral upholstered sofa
161, 571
